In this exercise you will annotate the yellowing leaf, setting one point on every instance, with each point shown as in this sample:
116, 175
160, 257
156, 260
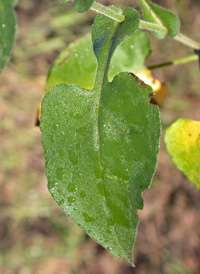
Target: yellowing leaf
182, 139
160, 89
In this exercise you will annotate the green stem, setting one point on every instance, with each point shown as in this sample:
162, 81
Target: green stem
120, 18
144, 25
107, 12
179, 61
187, 41
152, 27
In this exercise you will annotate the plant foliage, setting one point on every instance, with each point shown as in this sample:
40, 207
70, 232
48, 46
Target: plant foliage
82, 6
8, 22
100, 133
155, 14
182, 139
77, 63
101, 145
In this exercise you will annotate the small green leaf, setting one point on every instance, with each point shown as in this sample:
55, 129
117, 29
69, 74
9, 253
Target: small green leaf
77, 64
161, 16
8, 22
82, 5
101, 145
182, 139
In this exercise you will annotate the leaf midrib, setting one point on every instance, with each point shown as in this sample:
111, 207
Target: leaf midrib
99, 90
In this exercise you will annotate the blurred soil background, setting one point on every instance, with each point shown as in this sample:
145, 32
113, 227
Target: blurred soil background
35, 236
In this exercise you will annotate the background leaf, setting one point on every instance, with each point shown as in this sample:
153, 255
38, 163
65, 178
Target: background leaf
161, 16
131, 55
82, 5
79, 57
101, 145
8, 22
182, 139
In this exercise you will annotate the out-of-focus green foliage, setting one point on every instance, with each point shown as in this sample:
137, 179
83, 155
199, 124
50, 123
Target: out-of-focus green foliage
8, 23
64, 1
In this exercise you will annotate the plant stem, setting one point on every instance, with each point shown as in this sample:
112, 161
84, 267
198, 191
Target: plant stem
187, 41
120, 18
144, 25
179, 61
152, 27
107, 12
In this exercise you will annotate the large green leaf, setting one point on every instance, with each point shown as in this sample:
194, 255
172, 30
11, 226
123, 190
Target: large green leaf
77, 64
182, 139
82, 5
101, 145
8, 24
161, 16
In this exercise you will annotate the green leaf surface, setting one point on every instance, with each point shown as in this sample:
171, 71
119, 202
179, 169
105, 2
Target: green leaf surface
131, 55
101, 145
82, 5
8, 22
155, 14
182, 139
64, 1
77, 64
